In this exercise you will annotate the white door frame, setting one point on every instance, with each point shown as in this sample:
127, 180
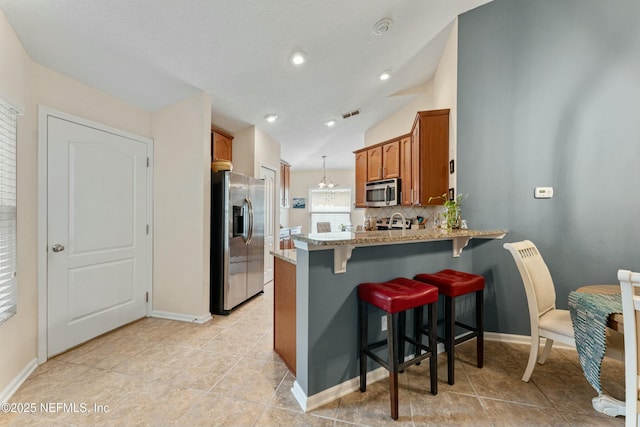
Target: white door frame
42, 232
275, 213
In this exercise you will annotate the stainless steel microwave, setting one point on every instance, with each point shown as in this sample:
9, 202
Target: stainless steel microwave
383, 193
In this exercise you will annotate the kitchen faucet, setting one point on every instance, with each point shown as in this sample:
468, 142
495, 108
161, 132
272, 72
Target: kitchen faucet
404, 223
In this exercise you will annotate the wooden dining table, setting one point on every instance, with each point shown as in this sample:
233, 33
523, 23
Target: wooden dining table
615, 348
615, 321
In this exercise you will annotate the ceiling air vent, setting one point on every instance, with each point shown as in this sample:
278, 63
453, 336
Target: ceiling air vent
351, 114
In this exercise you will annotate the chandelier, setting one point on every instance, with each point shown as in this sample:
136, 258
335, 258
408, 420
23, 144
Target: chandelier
324, 182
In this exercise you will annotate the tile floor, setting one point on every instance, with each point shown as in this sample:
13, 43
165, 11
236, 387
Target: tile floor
158, 372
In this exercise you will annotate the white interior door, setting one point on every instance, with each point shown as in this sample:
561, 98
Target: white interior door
97, 276
269, 176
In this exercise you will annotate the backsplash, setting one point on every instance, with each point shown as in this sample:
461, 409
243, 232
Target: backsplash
408, 212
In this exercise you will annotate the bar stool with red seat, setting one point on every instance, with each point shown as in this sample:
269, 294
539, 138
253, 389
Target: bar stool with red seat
452, 284
395, 297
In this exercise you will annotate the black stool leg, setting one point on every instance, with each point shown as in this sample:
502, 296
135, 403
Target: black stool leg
480, 327
433, 346
417, 330
449, 336
392, 334
402, 321
362, 312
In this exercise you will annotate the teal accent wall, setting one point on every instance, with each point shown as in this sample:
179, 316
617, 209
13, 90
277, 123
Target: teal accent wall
327, 303
549, 95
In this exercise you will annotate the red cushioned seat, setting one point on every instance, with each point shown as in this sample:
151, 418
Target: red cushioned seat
395, 297
398, 294
453, 283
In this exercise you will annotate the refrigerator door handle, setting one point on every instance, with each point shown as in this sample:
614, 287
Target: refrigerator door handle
250, 233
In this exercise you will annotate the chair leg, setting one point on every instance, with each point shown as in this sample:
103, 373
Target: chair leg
480, 328
392, 334
533, 355
362, 312
417, 330
433, 346
547, 349
449, 336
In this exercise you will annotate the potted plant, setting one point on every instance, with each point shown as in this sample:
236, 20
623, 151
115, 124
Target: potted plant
451, 210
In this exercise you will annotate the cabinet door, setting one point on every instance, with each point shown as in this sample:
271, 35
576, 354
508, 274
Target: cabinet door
361, 178
391, 160
222, 146
415, 165
374, 164
434, 155
405, 171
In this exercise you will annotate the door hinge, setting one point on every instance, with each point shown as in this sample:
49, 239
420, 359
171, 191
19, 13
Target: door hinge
148, 228
148, 161
147, 297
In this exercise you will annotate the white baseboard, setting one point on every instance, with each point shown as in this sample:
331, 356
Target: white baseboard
521, 339
181, 317
14, 385
329, 395
309, 403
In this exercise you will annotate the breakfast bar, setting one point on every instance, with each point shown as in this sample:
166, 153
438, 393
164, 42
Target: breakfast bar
329, 267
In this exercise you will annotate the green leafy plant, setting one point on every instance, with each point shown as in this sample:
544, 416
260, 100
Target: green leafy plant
451, 209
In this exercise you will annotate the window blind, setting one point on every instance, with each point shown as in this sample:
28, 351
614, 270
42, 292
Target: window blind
8, 214
330, 205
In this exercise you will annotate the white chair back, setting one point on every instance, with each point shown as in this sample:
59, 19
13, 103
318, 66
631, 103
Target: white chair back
546, 320
538, 284
629, 288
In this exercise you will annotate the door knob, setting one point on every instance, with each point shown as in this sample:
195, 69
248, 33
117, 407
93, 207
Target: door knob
57, 248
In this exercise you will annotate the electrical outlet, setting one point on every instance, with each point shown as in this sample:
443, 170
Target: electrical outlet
383, 323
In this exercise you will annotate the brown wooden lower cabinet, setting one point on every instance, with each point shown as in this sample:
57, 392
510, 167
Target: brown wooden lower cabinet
284, 312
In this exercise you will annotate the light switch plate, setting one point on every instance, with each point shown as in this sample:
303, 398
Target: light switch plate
543, 192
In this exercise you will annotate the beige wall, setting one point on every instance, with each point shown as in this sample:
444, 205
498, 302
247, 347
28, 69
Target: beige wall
440, 92
182, 185
27, 84
253, 148
19, 334
400, 122
445, 84
302, 181
244, 149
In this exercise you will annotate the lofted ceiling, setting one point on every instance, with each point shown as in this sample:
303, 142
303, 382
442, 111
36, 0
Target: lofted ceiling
152, 53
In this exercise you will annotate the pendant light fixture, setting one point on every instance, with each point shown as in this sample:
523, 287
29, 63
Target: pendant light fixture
324, 182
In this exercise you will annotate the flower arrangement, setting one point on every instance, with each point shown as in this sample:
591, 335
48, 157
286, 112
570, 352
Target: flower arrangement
451, 210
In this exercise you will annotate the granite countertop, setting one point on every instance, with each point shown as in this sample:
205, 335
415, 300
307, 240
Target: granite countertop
365, 238
288, 255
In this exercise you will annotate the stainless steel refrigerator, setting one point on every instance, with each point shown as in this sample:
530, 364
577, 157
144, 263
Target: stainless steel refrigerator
237, 239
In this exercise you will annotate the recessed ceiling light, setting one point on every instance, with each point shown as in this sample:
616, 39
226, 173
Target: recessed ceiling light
384, 75
382, 26
330, 123
271, 118
298, 58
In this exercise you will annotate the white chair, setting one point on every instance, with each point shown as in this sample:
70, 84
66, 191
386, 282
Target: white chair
629, 284
546, 320
324, 227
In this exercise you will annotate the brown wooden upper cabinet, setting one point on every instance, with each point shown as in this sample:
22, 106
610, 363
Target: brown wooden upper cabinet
429, 157
361, 178
374, 164
221, 145
383, 161
405, 169
420, 159
285, 183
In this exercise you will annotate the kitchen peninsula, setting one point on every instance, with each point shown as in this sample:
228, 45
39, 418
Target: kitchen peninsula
329, 267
